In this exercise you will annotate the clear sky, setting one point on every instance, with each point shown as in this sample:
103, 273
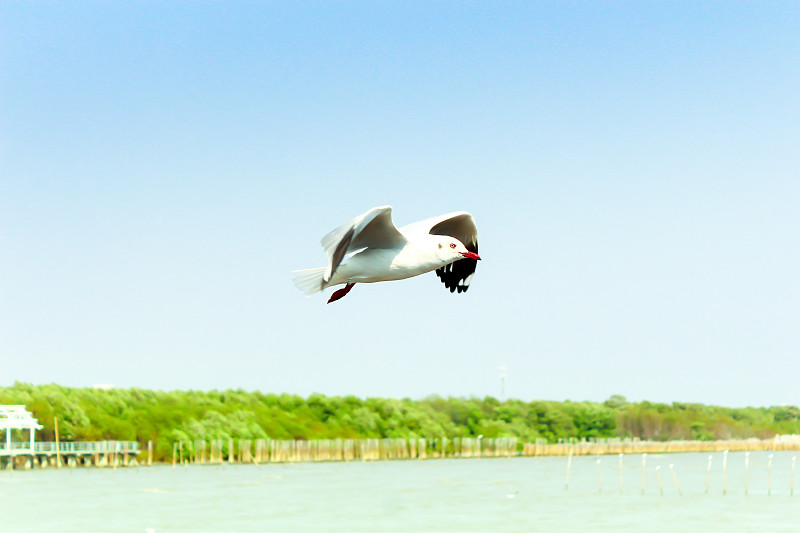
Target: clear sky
633, 169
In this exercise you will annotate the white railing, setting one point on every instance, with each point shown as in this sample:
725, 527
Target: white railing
71, 448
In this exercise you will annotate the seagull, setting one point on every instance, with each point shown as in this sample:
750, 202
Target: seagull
369, 249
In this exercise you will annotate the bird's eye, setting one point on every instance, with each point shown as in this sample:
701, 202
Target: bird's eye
452, 245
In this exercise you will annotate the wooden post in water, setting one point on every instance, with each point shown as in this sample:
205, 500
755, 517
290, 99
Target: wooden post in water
644, 462
724, 472
231, 454
569, 465
599, 477
708, 472
769, 474
58, 447
174, 453
149, 453
746, 472
675, 479
660, 484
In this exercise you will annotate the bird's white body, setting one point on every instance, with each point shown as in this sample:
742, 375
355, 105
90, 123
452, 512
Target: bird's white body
389, 264
369, 249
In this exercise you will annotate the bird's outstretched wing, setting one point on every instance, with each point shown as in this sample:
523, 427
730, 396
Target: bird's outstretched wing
458, 275
373, 229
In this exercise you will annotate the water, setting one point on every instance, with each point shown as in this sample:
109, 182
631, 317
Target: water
502, 495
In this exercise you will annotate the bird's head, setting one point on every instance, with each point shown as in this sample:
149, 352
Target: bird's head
451, 249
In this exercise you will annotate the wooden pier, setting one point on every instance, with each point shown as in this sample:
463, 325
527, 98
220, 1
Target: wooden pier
108, 453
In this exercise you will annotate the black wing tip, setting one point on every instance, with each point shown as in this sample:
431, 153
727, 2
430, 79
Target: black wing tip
453, 277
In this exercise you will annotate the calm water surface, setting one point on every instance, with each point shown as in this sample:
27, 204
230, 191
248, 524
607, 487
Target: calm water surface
503, 495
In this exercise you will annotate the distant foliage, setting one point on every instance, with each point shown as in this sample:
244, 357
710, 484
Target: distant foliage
166, 417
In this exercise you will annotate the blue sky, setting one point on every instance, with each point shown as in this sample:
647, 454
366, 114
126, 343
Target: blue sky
632, 167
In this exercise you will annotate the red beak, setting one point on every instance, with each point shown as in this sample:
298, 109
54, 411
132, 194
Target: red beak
471, 255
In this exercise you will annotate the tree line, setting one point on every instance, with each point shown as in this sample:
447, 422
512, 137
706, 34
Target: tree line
166, 417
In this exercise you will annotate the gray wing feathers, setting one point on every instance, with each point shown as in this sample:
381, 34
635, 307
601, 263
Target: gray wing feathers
462, 227
457, 275
459, 225
373, 229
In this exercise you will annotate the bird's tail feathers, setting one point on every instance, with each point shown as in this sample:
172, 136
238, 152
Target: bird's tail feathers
309, 281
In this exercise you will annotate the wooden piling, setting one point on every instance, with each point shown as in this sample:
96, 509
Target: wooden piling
644, 462
675, 479
599, 477
660, 484
724, 472
58, 448
769, 474
569, 466
746, 472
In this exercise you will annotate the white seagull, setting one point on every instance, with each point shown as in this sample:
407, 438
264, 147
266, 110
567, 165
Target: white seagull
370, 248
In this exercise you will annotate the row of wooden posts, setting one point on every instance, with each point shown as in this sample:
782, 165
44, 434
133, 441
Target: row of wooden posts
217, 451
613, 446
279, 451
674, 476
258, 451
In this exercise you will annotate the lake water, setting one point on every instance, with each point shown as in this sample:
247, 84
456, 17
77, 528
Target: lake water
498, 495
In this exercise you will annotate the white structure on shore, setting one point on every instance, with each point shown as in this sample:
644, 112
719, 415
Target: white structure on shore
17, 417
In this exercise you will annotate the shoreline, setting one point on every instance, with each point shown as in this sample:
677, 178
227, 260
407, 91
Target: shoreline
108, 454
